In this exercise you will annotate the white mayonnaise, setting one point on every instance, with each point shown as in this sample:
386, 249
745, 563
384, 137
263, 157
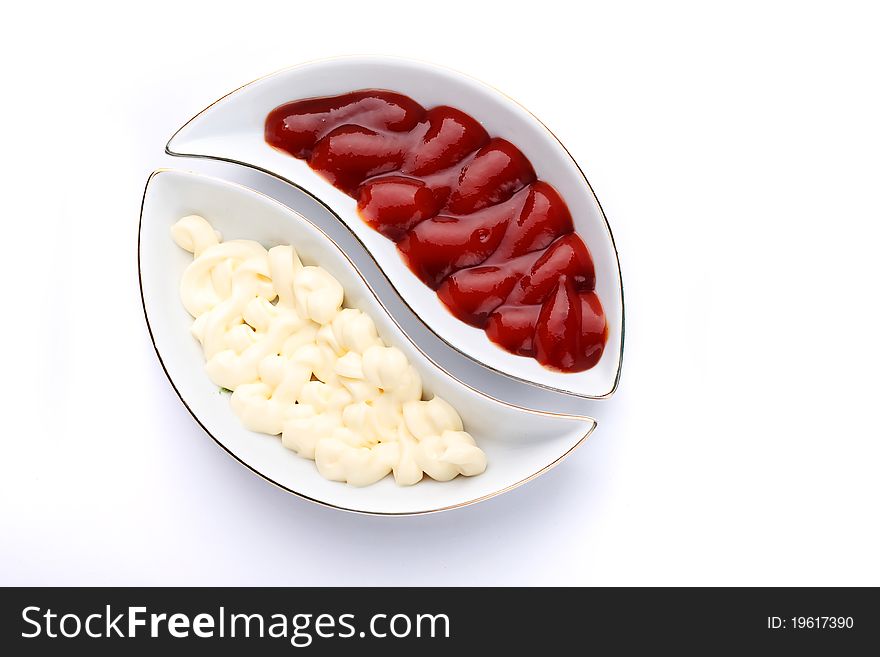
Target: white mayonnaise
302, 366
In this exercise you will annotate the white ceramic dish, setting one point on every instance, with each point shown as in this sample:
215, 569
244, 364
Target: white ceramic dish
231, 129
520, 444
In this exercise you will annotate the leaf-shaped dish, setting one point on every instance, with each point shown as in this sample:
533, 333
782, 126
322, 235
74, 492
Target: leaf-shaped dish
520, 444
232, 129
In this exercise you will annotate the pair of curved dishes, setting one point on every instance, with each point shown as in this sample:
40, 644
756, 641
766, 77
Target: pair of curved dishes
521, 443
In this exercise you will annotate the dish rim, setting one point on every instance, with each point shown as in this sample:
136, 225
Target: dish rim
420, 62
240, 187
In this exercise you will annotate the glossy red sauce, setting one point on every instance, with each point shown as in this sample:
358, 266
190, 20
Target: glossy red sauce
468, 215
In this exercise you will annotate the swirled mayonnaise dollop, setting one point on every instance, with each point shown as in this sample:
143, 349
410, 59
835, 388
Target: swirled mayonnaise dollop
301, 365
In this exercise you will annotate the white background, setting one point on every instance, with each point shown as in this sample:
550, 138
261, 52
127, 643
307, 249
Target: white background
737, 154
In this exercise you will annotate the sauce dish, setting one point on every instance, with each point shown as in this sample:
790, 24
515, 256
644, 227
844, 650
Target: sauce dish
520, 444
232, 129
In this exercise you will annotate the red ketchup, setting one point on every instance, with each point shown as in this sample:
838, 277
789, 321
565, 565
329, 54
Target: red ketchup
468, 215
